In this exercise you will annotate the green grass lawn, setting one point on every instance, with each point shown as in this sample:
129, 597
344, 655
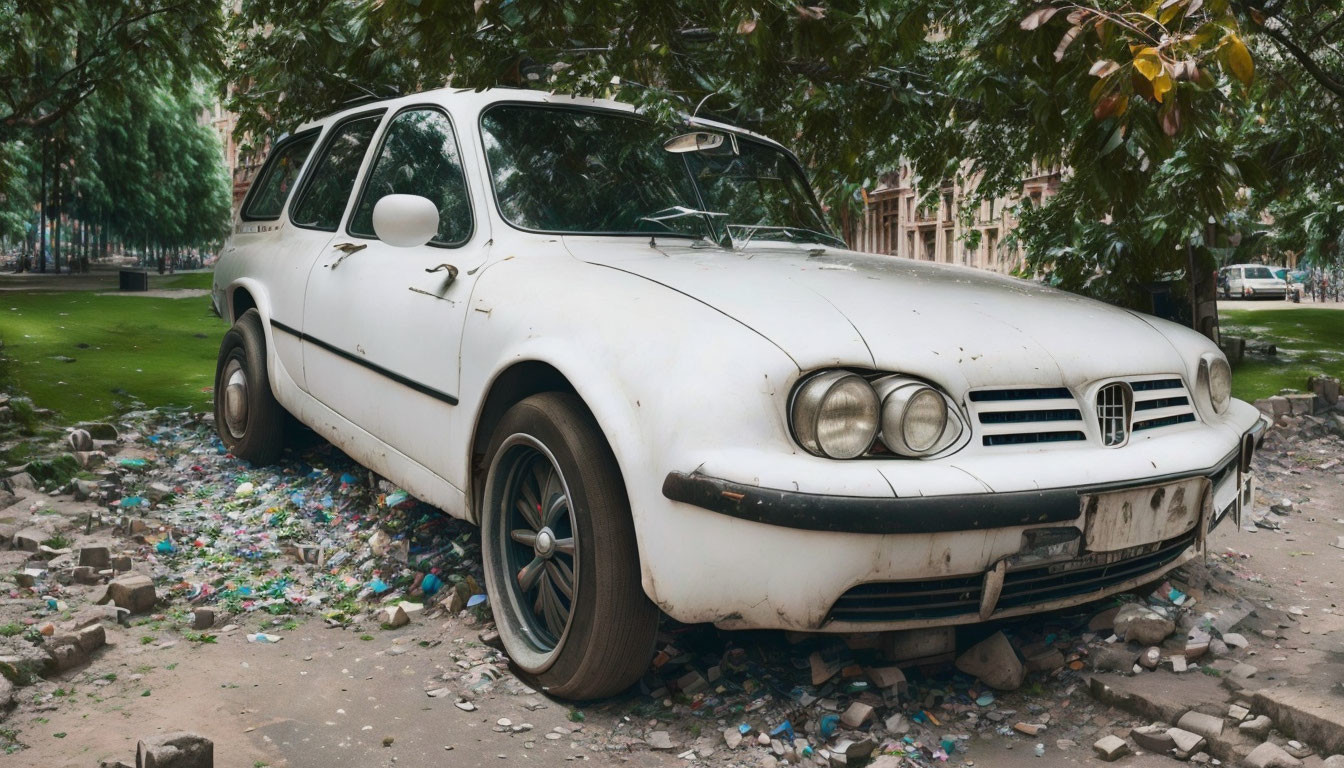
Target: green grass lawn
1310, 341
158, 351
188, 280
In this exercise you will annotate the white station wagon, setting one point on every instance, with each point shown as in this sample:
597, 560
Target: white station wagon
641, 362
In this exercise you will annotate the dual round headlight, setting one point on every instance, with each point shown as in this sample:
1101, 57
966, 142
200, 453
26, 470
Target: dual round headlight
839, 414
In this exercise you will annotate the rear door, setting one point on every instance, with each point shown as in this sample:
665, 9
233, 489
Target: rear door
384, 323
277, 255
314, 213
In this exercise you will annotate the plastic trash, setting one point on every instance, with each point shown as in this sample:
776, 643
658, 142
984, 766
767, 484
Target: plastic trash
262, 637
828, 725
985, 700
164, 547
475, 600
431, 584
1040, 750
783, 731
244, 490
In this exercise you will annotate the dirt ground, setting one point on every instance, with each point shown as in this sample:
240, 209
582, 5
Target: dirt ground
432, 693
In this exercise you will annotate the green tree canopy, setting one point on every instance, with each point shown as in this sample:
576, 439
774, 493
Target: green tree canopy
1166, 114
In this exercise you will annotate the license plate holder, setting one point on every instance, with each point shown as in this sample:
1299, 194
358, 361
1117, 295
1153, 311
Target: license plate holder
1131, 517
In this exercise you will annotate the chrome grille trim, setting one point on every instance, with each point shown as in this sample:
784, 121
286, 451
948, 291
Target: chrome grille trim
1160, 402
1026, 416
1115, 404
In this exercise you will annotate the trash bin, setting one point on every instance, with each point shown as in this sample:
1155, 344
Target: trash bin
133, 280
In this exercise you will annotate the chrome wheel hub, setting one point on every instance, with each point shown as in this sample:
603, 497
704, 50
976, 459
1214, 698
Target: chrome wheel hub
538, 562
235, 399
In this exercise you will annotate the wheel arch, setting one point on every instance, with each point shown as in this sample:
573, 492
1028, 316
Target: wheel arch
512, 385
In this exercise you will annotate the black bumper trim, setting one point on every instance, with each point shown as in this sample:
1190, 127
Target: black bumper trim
903, 514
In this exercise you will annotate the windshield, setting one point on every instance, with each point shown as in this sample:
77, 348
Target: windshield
1258, 273
601, 172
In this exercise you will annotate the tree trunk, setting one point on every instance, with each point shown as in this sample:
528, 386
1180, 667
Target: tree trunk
56, 222
42, 217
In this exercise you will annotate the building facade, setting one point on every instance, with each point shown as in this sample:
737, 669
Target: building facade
895, 222
242, 166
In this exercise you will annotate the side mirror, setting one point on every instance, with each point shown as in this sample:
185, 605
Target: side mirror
405, 221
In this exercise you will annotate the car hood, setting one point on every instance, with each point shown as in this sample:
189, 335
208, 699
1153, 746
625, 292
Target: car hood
956, 326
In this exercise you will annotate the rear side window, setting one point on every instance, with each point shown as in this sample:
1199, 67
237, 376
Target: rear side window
324, 195
273, 186
419, 156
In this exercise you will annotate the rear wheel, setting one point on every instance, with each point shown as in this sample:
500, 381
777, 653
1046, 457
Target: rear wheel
247, 417
558, 542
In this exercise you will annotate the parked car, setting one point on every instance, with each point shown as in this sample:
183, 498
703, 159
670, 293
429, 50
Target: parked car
1251, 281
641, 361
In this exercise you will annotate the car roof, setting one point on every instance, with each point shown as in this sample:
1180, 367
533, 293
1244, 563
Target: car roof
481, 99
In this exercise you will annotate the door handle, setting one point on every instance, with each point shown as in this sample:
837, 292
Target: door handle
346, 249
450, 269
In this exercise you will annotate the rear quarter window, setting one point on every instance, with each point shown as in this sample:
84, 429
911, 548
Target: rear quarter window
269, 192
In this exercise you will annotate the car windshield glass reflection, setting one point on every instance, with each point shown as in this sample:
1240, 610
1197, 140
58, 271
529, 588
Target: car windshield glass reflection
590, 171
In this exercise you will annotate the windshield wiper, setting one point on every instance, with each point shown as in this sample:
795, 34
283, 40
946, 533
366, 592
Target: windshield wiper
801, 234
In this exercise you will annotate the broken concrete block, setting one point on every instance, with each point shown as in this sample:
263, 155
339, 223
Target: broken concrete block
1178, 663
98, 430
97, 558
175, 750
1204, 725
857, 714
79, 440
1187, 743
1045, 660
1257, 726
90, 459
661, 740
1270, 755
887, 677
121, 563
83, 574
395, 616
1309, 716
30, 539
1138, 624
1104, 620
1110, 748
1235, 640
157, 492
132, 591
203, 618
732, 738
91, 638
1237, 713
1153, 738
1113, 658
1243, 671
994, 661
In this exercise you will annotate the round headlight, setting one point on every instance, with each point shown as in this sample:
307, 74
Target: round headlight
914, 417
1220, 384
836, 414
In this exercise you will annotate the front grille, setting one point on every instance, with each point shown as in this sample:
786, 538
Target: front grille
1023, 416
1115, 402
960, 595
1160, 402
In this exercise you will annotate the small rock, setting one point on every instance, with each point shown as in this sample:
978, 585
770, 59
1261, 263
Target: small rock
994, 661
175, 750
1243, 671
1112, 658
857, 714
1110, 748
1257, 726
1235, 640
1149, 658
1298, 749
394, 616
465, 706
1187, 743
1237, 712
1270, 755
1178, 663
661, 740
79, 440
1030, 729
203, 618
897, 725
1139, 624
732, 738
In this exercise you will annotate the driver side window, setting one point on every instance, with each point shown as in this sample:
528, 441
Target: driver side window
419, 156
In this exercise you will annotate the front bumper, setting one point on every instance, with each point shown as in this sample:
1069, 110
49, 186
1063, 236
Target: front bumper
870, 563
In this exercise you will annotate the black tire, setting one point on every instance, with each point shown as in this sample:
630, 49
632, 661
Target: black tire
609, 629
260, 436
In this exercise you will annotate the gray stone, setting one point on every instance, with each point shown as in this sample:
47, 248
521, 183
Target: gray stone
1138, 624
732, 738
661, 740
30, 539
1309, 716
1257, 726
1237, 713
1149, 658
1235, 640
203, 618
1270, 755
84, 574
994, 661
1153, 738
79, 440
1204, 725
90, 459
856, 715
1110, 748
1186, 742
132, 591
175, 750
1333, 761
1244, 671
157, 492
1113, 658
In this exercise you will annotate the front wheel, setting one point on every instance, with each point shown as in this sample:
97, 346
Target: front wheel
247, 417
558, 545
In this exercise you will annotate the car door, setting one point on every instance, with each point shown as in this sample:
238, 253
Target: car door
313, 213
383, 324
280, 257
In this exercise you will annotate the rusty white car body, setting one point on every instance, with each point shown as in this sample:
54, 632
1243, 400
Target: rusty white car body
1086, 449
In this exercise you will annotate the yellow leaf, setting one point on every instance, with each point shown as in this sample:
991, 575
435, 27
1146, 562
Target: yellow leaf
1239, 59
1161, 84
1148, 64
1122, 105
